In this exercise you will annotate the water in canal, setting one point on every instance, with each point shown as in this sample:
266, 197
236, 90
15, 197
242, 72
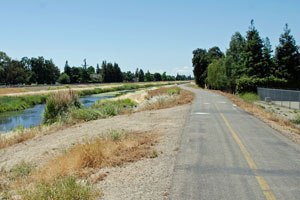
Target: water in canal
33, 116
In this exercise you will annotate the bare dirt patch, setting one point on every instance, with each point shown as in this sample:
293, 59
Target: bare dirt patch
148, 178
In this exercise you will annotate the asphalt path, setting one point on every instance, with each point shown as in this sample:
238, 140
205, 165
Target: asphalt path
226, 153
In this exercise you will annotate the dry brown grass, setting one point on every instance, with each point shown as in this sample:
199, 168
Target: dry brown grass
185, 97
28, 134
82, 159
85, 159
259, 112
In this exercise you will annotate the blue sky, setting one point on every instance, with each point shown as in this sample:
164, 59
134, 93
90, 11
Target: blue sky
158, 35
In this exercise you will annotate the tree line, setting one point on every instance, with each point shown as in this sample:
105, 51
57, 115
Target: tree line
249, 63
42, 71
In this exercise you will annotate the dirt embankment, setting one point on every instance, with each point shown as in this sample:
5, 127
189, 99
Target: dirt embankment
146, 179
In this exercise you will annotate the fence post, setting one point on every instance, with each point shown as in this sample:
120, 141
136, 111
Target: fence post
281, 96
299, 99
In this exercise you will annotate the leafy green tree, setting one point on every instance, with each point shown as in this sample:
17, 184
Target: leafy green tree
200, 64
157, 76
164, 76
75, 77
252, 56
85, 77
117, 74
267, 58
287, 57
98, 69
67, 69
45, 70
64, 78
128, 76
214, 53
141, 75
149, 77
236, 47
109, 74
216, 76
104, 72
91, 70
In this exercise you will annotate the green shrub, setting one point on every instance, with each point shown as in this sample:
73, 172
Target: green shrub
63, 189
58, 105
85, 114
250, 84
111, 108
21, 170
249, 97
173, 91
296, 120
64, 78
115, 135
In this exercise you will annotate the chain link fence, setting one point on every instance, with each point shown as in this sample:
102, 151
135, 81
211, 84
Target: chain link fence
288, 98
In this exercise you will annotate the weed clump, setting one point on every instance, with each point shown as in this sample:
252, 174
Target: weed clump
64, 189
58, 105
249, 97
173, 91
21, 170
296, 120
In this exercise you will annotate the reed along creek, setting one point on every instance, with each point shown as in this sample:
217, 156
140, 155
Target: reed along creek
31, 117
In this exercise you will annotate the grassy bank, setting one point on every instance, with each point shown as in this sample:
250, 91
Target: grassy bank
119, 88
8, 103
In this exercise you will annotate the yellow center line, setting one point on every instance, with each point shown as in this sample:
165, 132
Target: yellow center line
260, 179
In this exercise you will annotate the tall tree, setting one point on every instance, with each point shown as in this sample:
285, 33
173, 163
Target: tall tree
85, 77
141, 75
97, 69
75, 78
157, 76
287, 56
236, 47
91, 70
214, 53
67, 69
164, 76
200, 63
148, 76
252, 56
104, 71
267, 58
117, 74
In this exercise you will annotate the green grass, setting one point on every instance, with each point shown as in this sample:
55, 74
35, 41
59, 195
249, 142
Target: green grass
118, 88
296, 120
249, 97
61, 189
85, 114
115, 135
8, 103
21, 170
173, 91
102, 109
58, 106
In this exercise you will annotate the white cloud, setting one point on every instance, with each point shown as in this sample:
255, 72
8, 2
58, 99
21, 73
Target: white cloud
185, 70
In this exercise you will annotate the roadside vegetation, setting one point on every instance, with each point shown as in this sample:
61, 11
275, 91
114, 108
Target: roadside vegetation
63, 110
249, 97
166, 97
68, 175
8, 103
248, 63
246, 103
